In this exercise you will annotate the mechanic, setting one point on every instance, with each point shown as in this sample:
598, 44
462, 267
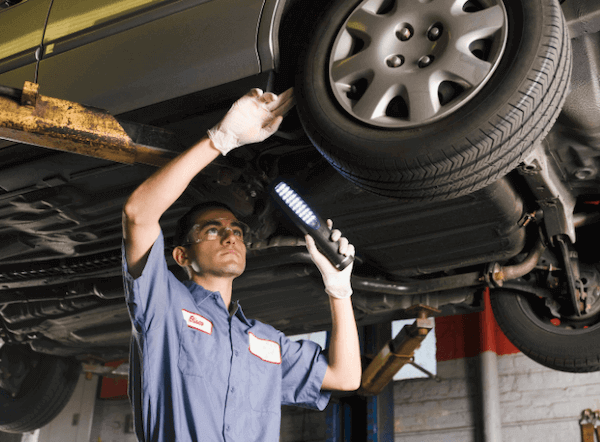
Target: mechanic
199, 369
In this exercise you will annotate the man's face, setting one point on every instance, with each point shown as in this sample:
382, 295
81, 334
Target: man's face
224, 255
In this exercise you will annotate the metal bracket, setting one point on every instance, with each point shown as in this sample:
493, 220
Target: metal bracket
29, 95
550, 193
424, 370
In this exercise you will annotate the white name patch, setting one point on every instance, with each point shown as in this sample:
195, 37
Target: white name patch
197, 322
268, 351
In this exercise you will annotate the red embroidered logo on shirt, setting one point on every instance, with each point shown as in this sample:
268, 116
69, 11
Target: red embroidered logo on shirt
268, 351
197, 322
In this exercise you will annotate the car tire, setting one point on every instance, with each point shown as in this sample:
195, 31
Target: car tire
525, 321
43, 394
434, 155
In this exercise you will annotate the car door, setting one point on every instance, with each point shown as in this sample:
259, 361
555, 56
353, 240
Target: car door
122, 55
21, 32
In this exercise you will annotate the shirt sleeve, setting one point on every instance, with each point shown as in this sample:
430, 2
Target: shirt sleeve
303, 369
147, 296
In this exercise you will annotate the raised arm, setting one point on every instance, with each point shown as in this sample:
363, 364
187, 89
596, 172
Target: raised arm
251, 119
344, 366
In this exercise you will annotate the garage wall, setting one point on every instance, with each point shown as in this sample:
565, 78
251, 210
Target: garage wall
74, 422
537, 404
112, 421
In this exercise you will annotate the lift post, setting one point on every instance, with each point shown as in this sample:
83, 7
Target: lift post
30, 118
354, 418
397, 352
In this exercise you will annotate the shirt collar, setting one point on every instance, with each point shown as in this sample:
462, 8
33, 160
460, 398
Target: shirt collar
200, 294
240, 314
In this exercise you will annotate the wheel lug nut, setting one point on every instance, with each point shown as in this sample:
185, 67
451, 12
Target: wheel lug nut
584, 173
352, 92
395, 61
425, 61
405, 33
434, 33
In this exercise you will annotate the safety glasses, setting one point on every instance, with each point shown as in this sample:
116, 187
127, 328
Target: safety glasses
212, 229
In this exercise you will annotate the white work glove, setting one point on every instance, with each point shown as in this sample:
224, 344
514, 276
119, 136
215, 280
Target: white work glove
337, 283
251, 119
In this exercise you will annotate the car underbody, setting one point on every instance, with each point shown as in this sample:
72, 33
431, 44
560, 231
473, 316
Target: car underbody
61, 281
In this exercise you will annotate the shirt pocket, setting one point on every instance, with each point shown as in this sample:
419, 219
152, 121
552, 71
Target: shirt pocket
265, 377
194, 347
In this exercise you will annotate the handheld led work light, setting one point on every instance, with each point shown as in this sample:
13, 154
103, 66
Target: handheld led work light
310, 223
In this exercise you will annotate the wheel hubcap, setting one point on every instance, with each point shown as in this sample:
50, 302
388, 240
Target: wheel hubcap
404, 64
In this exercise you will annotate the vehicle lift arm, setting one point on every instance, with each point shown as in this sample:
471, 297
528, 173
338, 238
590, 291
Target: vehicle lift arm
30, 118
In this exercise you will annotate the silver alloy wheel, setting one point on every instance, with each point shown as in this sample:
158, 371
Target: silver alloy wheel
401, 64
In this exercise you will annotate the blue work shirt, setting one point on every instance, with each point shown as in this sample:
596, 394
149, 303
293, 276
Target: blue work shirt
198, 373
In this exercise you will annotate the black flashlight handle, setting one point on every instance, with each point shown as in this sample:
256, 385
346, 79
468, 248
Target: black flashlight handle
322, 237
327, 247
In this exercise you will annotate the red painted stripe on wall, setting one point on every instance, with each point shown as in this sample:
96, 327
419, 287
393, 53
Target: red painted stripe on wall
113, 388
464, 336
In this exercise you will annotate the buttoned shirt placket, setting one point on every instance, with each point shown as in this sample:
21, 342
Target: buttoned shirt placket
232, 401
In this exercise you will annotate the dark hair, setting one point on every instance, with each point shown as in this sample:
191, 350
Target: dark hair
187, 221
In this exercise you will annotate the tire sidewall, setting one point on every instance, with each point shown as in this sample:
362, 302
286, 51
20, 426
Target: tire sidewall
562, 350
329, 126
